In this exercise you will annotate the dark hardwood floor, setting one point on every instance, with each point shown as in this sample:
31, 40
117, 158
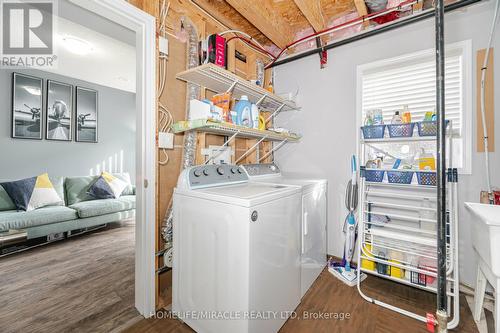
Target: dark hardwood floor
329, 295
86, 284
83, 284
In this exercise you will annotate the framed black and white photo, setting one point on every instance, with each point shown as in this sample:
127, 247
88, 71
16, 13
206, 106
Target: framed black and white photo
59, 111
27, 106
86, 115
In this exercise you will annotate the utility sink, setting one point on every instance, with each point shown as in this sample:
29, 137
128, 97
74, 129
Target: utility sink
486, 234
486, 243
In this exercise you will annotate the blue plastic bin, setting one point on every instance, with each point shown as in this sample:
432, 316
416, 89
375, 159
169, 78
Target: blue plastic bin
373, 132
374, 175
401, 130
428, 178
428, 128
399, 177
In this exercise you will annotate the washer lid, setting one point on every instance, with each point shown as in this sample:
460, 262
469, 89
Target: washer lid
246, 194
305, 184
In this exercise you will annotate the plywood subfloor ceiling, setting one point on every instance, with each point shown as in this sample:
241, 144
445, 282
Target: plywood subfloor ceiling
277, 23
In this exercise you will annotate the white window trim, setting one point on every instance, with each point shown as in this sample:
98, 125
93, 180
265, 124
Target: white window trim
465, 47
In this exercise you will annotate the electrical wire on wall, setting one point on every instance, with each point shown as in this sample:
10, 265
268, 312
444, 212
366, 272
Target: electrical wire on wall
189, 145
483, 111
166, 119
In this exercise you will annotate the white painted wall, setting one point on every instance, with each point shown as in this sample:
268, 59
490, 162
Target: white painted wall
115, 150
328, 117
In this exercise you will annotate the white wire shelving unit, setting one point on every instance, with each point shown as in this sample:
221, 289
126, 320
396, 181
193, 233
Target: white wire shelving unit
220, 80
397, 241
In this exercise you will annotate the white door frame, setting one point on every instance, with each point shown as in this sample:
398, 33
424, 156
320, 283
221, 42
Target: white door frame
144, 25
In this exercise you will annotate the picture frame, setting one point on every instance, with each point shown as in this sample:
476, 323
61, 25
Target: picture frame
86, 117
59, 111
27, 107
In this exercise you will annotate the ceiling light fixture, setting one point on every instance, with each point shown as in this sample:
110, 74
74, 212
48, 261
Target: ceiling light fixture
77, 45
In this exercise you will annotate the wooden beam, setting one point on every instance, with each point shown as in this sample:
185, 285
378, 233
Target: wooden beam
266, 19
361, 7
312, 11
222, 12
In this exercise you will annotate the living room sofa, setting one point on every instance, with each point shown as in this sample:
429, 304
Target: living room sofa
78, 212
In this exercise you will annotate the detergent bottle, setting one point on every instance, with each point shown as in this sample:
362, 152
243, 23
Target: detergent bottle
244, 112
255, 116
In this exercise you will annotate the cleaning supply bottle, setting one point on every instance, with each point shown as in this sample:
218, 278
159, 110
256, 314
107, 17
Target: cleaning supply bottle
369, 118
255, 116
244, 112
378, 118
426, 161
262, 123
428, 116
406, 115
396, 119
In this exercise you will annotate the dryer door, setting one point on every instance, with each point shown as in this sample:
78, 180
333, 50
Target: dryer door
313, 245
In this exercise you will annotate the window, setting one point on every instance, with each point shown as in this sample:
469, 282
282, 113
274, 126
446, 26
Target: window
411, 80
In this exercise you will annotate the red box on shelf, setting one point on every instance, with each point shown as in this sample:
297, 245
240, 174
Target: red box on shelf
217, 52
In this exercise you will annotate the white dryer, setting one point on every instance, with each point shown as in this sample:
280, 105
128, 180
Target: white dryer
236, 258
313, 217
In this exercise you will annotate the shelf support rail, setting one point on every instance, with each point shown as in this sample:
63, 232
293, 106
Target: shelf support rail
221, 148
275, 113
381, 151
261, 100
231, 87
273, 150
250, 149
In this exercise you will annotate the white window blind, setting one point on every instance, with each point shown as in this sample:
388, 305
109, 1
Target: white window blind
415, 85
411, 80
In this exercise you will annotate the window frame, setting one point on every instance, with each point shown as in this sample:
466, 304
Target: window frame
462, 47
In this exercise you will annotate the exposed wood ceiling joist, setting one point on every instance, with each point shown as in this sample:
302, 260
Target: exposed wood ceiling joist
229, 17
361, 7
272, 22
265, 18
313, 13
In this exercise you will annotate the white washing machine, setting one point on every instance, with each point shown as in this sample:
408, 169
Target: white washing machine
313, 217
236, 258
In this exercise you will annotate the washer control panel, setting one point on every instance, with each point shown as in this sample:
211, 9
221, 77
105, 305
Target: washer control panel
214, 175
264, 169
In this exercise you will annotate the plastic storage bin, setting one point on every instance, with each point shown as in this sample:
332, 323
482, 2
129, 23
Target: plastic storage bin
374, 175
365, 263
373, 132
428, 178
428, 128
400, 177
401, 130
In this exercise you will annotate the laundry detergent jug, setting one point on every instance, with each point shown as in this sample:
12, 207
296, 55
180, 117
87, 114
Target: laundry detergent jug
244, 112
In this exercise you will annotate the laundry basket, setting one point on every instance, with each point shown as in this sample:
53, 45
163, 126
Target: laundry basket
401, 130
400, 177
374, 175
373, 132
428, 178
428, 128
